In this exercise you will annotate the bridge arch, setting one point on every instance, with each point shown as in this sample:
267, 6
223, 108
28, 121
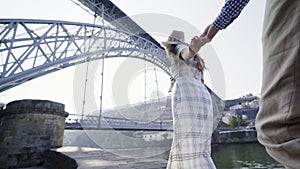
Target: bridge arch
33, 48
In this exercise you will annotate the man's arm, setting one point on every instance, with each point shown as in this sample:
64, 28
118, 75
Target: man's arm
230, 11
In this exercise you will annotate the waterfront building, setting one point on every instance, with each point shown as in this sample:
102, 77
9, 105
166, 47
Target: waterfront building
155, 136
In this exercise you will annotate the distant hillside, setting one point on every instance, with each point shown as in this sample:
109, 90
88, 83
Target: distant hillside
153, 110
229, 103
156, 110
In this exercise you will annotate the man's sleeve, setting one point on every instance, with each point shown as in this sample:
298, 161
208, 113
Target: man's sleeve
230, 11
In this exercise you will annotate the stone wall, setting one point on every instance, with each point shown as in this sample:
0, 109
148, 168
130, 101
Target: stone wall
238, 136
28, 129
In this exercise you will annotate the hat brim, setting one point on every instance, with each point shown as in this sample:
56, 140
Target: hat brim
165, 43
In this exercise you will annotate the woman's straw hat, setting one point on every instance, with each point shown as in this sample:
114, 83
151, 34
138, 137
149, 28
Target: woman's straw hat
176, 37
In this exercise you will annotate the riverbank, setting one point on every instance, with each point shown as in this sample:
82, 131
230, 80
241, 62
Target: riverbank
225, 156
113, 139
234, 136
233, 154
135, 153
97, 158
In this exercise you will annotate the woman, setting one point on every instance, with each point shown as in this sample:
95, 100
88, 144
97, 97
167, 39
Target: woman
191, 107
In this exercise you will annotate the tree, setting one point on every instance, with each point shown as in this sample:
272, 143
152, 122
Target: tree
236, 121
233, 122
241, 121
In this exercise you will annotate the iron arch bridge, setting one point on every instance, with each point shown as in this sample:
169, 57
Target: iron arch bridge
33, 48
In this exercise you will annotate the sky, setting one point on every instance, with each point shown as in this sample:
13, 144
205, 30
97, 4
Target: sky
237, 48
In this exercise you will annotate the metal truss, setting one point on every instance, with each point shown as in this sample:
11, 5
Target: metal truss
32, 48
108, 11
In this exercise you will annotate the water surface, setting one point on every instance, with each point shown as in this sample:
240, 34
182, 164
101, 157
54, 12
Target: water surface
131, 144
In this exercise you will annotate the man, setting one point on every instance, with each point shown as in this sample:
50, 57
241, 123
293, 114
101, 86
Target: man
278, 121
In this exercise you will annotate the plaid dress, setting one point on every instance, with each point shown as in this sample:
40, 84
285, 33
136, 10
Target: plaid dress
192, 119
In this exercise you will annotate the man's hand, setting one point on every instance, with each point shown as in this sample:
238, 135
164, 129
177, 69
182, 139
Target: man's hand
210, 31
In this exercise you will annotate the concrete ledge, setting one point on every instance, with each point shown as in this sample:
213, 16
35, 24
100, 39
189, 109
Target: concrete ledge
28, 105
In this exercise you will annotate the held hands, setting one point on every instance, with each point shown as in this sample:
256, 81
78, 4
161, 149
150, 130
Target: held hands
197, 43
208, 34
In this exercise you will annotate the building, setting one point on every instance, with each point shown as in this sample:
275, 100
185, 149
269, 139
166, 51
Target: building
155, 136
247, 107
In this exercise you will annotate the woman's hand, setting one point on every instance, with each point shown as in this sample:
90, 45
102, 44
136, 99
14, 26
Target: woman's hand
197, 43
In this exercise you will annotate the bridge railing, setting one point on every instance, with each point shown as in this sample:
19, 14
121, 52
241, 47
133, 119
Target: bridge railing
94, 122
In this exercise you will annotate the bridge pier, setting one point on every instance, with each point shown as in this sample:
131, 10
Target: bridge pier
28, 129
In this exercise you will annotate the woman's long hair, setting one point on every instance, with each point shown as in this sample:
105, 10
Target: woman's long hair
172, 51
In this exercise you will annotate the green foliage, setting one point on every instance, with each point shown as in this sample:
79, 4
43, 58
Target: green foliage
236, 121
233, 122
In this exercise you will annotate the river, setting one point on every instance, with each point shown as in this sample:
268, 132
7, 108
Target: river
131, 143
243, 156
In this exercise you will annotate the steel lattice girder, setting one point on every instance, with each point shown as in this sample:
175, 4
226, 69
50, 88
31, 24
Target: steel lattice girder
116, 17
32, 48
